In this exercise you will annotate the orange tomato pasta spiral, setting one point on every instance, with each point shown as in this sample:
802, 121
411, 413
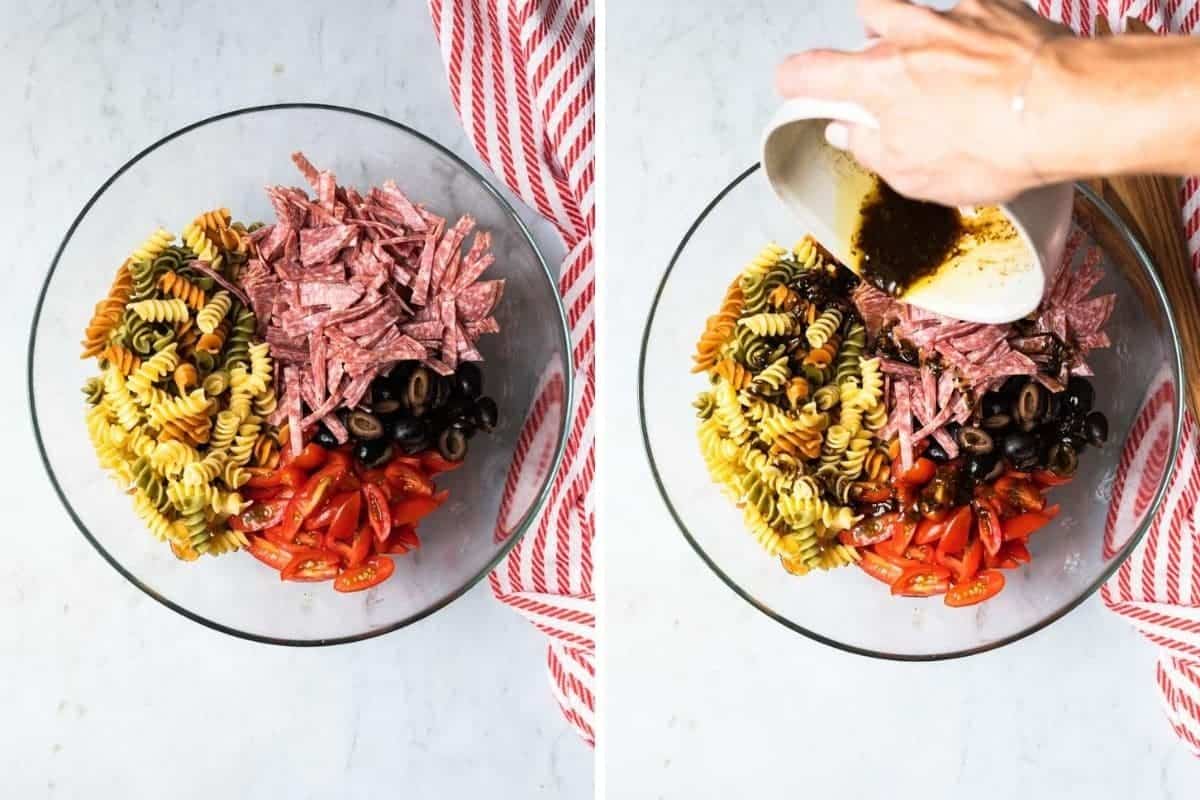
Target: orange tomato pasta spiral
125, 361
176, 285
718, 329
108, 313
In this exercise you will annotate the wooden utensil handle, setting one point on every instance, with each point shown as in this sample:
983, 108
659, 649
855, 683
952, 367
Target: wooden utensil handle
1150, 204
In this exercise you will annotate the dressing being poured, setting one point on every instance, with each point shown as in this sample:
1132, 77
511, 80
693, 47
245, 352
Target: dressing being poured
901, 245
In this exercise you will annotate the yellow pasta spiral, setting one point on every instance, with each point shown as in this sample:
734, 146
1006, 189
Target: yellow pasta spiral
211, 315
824, 327
199, 243
174, 310
153, 246
771, 324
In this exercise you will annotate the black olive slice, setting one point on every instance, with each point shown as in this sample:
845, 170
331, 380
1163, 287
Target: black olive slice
486, 414
468, 379
996, 422
373, 452
364, 425
325, 438
389, 406
1080, 395
452, 444
1030, 405
419, 389
1096, 428
1062, 459
975, 440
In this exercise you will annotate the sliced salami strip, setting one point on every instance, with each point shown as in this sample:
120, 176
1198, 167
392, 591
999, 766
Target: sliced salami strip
346, 285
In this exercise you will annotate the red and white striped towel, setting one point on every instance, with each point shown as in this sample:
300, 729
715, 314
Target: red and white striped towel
1158, 587
522, 78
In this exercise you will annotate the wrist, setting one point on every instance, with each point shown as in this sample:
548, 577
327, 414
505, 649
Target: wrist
1112, 106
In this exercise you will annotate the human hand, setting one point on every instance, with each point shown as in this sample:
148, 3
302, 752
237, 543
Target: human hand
942, 86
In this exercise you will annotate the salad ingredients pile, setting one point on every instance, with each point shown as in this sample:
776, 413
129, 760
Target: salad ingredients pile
293, 389
852, 428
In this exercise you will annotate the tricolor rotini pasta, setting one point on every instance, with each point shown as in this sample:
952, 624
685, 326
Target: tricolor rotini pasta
789, 422
165, 416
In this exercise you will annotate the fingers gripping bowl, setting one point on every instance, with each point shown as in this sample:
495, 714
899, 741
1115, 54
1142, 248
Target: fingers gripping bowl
1071, 555
227, 161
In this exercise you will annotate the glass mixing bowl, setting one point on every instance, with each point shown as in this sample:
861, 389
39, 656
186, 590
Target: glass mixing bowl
226, 161
845, 608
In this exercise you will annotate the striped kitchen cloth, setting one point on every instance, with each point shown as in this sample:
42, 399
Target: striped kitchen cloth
522, 78
1158, 587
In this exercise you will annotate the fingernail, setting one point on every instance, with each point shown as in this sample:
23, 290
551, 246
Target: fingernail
838, 135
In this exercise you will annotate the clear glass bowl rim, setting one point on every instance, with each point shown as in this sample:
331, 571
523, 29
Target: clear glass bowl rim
1147, 267
565, 344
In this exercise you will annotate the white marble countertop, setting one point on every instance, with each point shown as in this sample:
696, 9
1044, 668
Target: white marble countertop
106, 693
707, 697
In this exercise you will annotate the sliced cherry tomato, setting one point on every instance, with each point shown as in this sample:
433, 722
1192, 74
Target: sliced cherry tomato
311, 457
884, 551
1022, 525
920, 552
258, 493
879, 568
987, 520
1019, 495
906, 496
433, 462
277, 536
340, 458
1018, 552
314, 492
903, 531
345, 518
922, 580
963, 568
955, 531
984, 585
374, 571
928, 531
403, 539
336, 546
360, 548
289, 476
321, 519
378, 513
376, 476
1046, 479
309, 539
306, 502
408, 479
919, 474
875, 493
348, 483
935, 513
268, 552
871, 530
259, 516
413, 509
312, 564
